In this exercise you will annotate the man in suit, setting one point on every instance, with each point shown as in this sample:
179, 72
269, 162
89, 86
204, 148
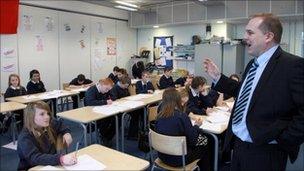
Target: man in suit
267, 122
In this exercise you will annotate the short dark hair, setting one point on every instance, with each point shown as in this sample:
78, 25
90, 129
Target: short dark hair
270, 23
168, 69
116, 68
197, 81
125, 80
34, 71
80, 77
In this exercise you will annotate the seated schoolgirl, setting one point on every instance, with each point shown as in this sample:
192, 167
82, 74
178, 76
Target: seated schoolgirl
42, 139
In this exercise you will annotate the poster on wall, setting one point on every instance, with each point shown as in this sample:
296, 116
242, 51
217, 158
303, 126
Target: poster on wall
39, 43
8, 65
49, 23
163, 51
8, 52
27, 21
111, 46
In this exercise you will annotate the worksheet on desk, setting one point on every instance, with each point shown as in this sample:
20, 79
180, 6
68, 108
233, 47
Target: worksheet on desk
86, 162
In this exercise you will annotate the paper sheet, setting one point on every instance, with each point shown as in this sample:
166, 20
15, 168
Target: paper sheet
218, 118
212, 127
86, 162
30, 97
108, 109
130, 104
50, 168
139, 97
222, 108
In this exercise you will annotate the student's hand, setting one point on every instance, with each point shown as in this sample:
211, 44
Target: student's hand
198, 121
67, 138
69, 159
109, 101
211, 69
150, 91
209, 110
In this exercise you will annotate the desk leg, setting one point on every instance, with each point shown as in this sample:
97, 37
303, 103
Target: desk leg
117, 132
216, 151
78, 100
14, 128
123, 132
145, 116
84, 134
90, 132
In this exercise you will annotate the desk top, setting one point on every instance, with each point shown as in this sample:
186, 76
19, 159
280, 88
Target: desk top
41, 96
83, 115
11, 106
112, 159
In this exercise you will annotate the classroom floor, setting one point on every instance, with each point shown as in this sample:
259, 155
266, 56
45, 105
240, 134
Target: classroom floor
9, 159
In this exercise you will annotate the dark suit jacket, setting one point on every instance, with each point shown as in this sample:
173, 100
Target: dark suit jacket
276, 110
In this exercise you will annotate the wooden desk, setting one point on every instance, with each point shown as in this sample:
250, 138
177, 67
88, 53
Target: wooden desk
112, 159
85, 116
10, 107
37, 97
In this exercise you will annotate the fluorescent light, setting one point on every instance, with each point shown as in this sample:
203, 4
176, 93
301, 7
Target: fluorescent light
219, 22
155, 26
125, 8
127, 4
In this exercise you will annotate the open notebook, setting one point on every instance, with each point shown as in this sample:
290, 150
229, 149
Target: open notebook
84, 162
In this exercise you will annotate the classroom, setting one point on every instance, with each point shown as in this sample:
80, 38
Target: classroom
152, 85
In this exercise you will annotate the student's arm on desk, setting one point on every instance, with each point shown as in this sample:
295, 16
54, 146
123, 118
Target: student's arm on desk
227, 86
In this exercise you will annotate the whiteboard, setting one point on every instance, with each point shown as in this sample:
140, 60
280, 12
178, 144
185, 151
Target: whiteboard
101, 64
74, 46
62, 56
126, 45
38, 47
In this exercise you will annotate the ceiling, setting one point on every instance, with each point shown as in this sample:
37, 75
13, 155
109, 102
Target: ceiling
140, 3
147, 4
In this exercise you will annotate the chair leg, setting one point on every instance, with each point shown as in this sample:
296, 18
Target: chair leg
153, 166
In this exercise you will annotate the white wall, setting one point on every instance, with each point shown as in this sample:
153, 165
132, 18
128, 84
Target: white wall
62, 58
80, 7
183, 34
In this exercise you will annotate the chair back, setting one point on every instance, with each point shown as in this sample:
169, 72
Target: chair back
171, 145
152, 113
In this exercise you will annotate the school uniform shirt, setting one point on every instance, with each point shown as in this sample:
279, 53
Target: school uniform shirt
94, 97
75, 82
12, 92
181, 81
141, 87
195, 103
117, 92
113, 77
35, 87
31, 153
165, 82
178, 124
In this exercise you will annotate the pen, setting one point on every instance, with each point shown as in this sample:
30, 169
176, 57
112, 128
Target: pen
77, 146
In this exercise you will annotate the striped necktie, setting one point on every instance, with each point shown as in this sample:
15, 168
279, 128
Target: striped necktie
243, 99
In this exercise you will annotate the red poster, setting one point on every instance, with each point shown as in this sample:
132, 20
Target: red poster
9, 16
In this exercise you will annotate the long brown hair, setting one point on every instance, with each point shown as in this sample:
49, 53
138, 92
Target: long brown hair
171, 100
32, 127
